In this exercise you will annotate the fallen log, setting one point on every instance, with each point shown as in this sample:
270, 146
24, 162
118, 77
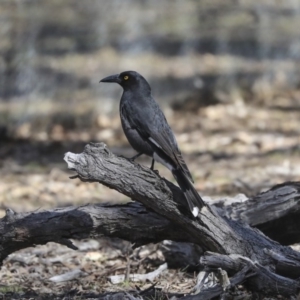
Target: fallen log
275, 212
128, 222
161, 215
210, 230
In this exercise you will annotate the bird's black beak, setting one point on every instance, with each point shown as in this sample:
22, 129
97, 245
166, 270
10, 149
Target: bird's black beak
112, 78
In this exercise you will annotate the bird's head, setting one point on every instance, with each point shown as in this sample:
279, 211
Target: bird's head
128, 80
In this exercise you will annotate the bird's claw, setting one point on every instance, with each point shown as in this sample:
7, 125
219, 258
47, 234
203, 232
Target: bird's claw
155, 171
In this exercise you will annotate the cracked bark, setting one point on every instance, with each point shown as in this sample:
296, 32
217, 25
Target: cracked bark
210, 230
275, 212
160, 214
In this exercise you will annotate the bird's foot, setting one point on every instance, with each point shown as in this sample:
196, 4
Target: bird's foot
131, 158
156, 172
135, 156
128, 158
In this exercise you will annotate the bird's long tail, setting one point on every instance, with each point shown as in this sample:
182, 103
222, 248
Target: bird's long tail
194, 200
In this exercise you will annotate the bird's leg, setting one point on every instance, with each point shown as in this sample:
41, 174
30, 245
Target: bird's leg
152, 164
152, 167
136, 156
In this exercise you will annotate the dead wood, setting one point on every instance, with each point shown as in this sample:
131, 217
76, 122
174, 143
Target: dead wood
210, 230
275, 212
129, 222
218, 290
161, 215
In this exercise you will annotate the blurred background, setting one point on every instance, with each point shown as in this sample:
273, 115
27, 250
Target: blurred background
226, 73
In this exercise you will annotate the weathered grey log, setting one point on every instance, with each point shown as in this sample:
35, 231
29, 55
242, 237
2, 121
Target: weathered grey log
142, 184
209, 230
59, 225
181, 255
163, 215
97, 163
275, 212
217, 290
131, 222
267, 278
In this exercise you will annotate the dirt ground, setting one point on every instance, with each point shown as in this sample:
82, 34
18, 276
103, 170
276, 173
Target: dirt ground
230, 149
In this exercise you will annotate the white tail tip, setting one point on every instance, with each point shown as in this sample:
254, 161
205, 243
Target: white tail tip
195, 211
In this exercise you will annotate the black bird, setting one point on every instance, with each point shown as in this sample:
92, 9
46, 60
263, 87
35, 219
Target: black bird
148, 132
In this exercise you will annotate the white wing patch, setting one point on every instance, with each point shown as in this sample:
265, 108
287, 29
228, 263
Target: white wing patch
160, 160
154, 142
195, 211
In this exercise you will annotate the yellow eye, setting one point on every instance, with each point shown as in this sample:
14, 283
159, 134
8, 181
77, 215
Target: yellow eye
126, 77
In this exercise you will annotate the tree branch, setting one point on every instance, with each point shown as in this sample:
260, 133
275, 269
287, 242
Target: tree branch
131, 222
275, 212
161, 215
210, 230
142, 184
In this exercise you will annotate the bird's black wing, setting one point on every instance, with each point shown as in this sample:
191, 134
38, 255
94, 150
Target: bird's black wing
155, 129
166, 141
